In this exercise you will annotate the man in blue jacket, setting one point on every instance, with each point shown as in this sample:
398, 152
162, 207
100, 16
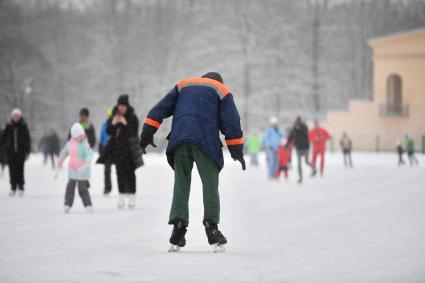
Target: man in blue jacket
104, 139
201, 109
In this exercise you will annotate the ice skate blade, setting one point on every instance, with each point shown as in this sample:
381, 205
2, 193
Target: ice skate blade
219, 248
173, 248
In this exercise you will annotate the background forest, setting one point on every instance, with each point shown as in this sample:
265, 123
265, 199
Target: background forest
278, 57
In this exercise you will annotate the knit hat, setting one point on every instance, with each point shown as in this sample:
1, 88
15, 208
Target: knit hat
84, 112
123, 100
77, 130
273, 121
16, 111
214, 76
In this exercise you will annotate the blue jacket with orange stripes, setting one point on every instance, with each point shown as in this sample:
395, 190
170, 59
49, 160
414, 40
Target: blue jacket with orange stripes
201, 109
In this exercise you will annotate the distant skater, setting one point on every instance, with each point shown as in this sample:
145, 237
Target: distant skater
123, 128
284, 158
271, 142
253, 146
3, 154
17, 141
80, 153
346, 146
103, 142
400, 152
299, 137
318, 137
410, 146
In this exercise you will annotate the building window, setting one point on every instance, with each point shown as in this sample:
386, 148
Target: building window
394, 94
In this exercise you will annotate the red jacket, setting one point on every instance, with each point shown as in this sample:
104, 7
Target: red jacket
284, 156
318, 137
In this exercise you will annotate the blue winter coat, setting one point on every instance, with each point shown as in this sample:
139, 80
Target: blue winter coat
272, 138
104, 136
201, 109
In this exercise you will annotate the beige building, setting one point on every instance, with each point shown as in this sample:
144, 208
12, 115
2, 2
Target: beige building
398, 104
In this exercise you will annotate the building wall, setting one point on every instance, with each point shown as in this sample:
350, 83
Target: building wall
403, 55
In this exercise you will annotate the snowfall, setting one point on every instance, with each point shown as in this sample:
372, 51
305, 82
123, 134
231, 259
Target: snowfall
365, 224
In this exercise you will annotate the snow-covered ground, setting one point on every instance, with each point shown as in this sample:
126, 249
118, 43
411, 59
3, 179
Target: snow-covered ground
360, 225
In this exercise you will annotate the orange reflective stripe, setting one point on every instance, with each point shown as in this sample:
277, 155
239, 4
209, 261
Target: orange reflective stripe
234, 141
221, 88
153, 123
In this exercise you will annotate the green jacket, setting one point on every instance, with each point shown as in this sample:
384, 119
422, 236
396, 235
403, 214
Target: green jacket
253, 144
410, 146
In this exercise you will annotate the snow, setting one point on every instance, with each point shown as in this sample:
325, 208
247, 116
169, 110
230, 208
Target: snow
360, 225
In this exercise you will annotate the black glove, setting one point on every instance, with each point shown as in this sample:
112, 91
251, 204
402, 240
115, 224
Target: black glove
237, 155
144, 142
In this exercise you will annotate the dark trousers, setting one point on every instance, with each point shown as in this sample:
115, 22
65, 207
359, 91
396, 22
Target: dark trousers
107, 178
347, 158
52, 159
83, 191
400, 159
412, 158
126, 177
184, 157
16, 170
300, 154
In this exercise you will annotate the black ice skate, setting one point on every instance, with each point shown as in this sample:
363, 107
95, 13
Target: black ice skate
215, 237
177, 239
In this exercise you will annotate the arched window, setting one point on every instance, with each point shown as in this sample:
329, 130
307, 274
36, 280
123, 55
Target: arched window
394, 94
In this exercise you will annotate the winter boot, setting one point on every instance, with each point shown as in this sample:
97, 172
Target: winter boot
21, 193
121, 201
89, 209
215, 237
12, 193
177, 239
131, 201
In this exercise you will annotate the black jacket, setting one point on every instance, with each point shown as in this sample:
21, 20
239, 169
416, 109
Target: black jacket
299, 137
123, 139
16, 138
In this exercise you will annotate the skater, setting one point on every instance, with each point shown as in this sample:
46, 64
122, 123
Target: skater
299, 137
123, 127
80, 155
3, 155
88, 127
410, 146
253, 145
104, 139
42, 147
346, 146
400, 152
16, 138
52, 146
284, 158
271, 143
318, 137
201, 109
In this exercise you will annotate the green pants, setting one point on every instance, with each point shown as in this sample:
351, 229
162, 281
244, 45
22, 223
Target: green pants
184, 156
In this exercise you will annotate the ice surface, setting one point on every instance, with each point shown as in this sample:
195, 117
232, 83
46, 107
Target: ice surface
360, 225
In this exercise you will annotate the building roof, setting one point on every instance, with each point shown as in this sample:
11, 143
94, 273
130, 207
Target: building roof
398, 35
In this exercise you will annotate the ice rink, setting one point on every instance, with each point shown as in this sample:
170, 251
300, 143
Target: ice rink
360, 225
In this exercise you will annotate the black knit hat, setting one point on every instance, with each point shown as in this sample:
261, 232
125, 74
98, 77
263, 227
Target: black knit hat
214, 76
123, 100
85, 112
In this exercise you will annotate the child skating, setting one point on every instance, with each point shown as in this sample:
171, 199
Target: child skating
80, 153
201, 109
284, 158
